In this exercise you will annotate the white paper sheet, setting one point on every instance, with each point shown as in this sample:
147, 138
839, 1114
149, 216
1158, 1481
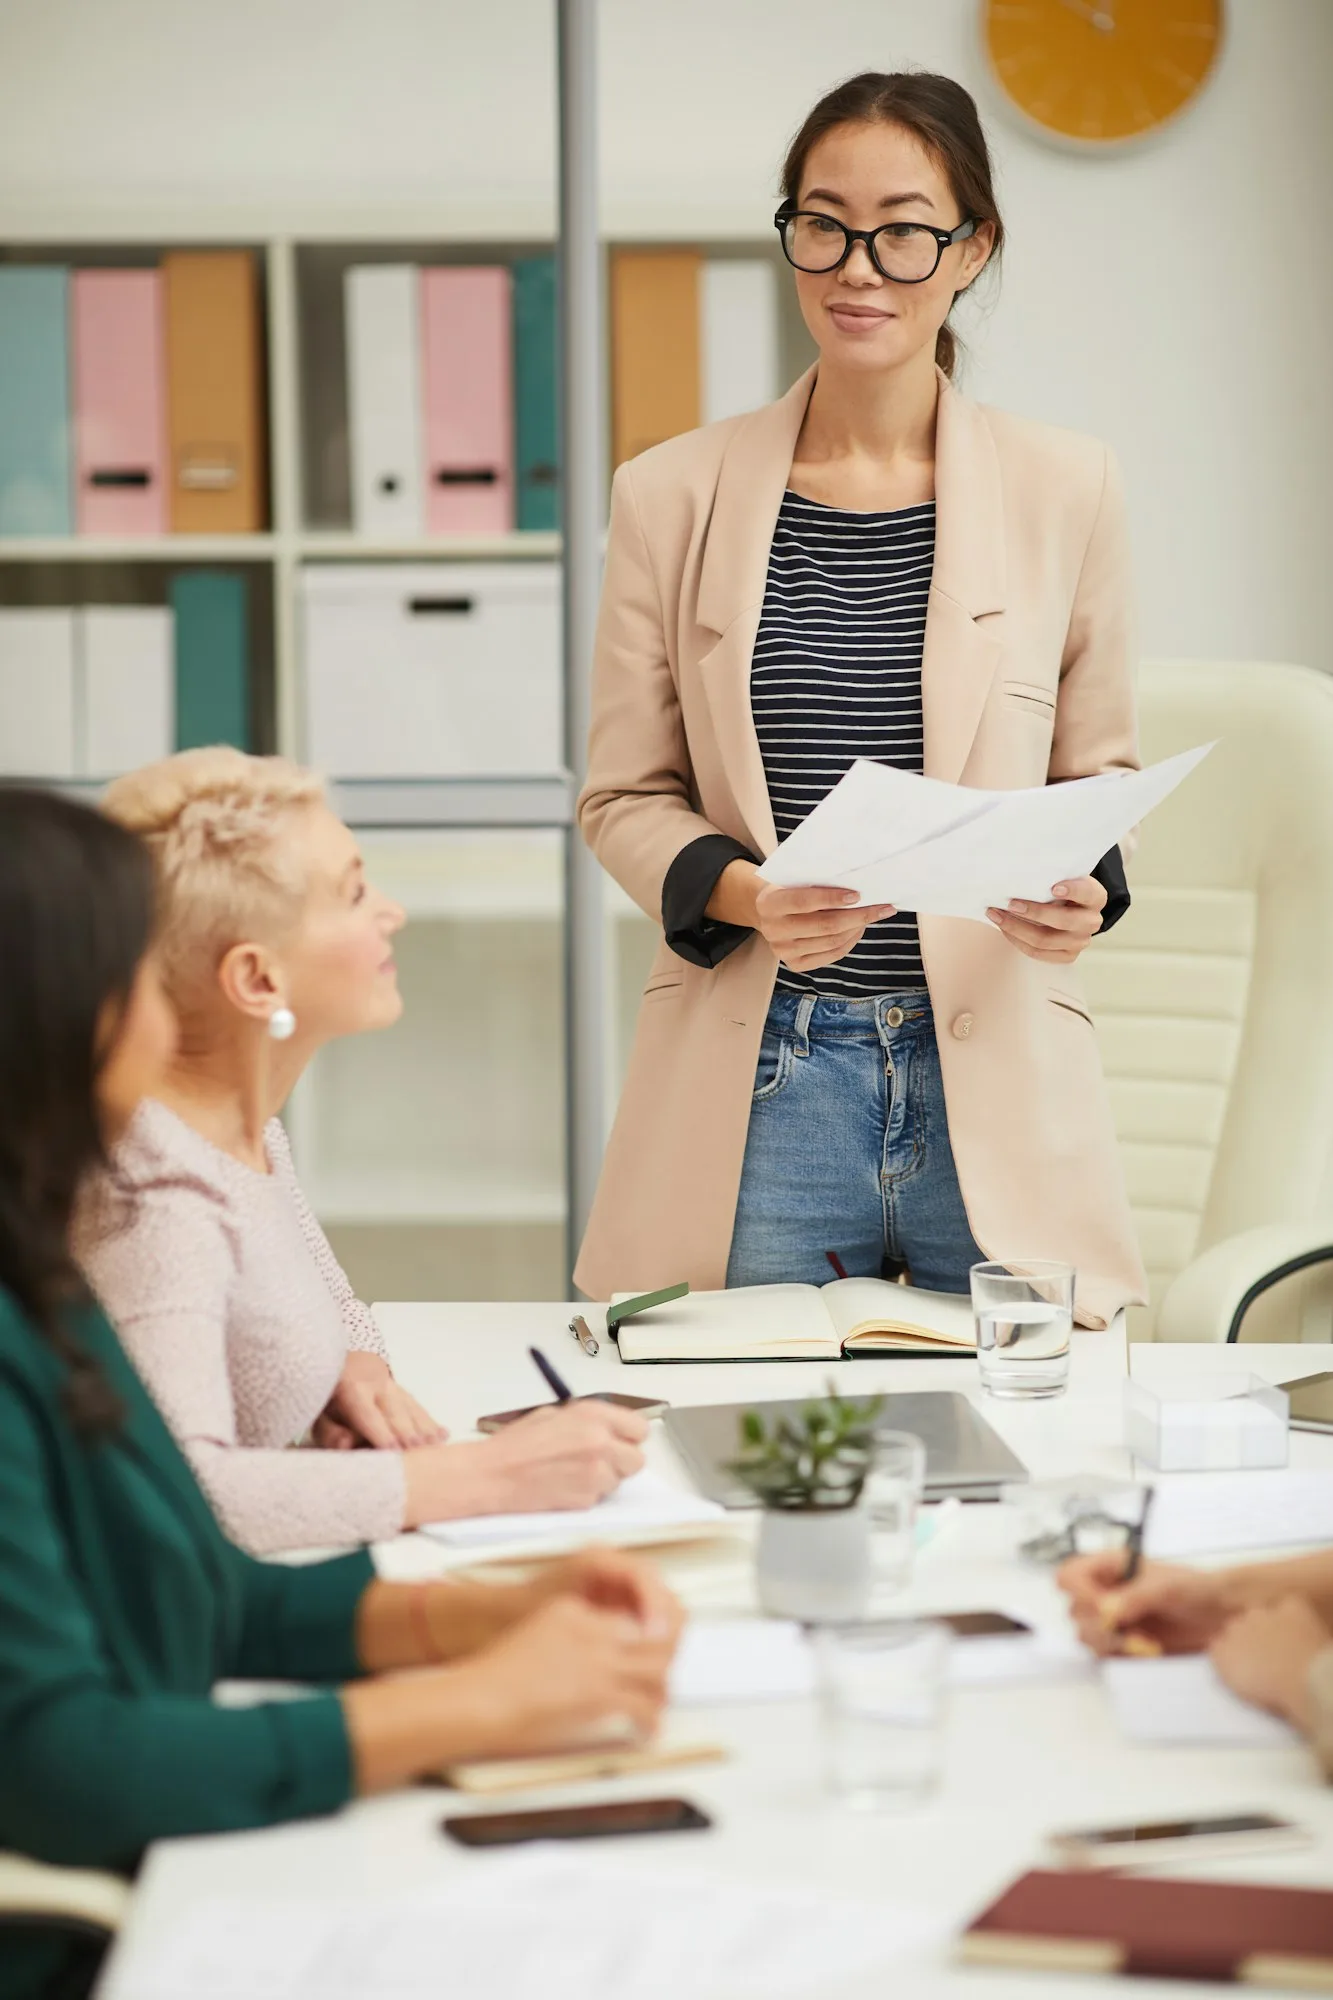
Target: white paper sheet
768, 1659
1206, 1513
1182, 1700
952, 851
543, 1924
644, 1501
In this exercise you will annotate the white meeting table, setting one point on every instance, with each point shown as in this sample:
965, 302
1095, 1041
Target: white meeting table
1020, 1762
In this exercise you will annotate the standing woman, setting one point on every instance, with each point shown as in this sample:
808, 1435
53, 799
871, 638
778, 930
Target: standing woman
871, 567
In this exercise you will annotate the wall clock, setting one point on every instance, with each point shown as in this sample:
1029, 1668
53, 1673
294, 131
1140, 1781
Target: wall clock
1101, 73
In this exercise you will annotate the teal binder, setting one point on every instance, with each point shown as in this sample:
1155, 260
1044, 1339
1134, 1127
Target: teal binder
36, 488
212, 659
536, 420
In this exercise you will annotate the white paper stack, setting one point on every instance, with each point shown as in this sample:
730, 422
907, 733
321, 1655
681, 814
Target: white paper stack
645, 1507
953, 851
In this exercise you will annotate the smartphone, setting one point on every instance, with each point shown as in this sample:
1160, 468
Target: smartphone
979, 1624
1311, 1402
647, 1406
1164, 1843
613, 1816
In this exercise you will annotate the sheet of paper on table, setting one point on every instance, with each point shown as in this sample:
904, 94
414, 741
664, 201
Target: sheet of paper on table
1207, 1513
643, 1504
768, 1659
541, 1924
1181, 1699
954, 851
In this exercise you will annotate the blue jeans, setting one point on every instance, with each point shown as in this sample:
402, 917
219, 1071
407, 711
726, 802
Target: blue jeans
848, 1149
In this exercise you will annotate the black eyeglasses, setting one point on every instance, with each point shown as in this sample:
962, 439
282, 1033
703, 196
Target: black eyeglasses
907, 253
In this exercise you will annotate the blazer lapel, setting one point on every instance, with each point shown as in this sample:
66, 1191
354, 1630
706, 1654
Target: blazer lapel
751, 482
962, 648
963, 642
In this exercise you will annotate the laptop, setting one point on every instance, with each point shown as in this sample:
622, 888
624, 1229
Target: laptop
964, 1456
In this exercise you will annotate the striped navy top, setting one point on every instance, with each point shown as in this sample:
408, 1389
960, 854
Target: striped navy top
836, 676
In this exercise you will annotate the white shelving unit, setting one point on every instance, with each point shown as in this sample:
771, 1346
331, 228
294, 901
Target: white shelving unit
434, 1153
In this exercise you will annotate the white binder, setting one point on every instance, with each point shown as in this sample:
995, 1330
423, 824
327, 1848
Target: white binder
383, 312
423, 671
37, 707
128, 679
738, 335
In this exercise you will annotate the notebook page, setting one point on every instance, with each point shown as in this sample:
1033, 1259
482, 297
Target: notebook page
534, 1924
753, 1322
851, 1302
1182, 1699
1206, 1513
643, 1501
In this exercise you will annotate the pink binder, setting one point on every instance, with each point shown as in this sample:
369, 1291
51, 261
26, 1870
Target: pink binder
467, 381
119, 429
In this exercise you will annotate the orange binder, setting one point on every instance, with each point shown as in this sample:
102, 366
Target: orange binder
214, 393
654, 347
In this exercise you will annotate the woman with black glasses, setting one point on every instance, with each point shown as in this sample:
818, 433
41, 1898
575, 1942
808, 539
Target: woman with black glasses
873, 567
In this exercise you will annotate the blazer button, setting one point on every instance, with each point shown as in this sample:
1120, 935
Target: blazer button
962, 1027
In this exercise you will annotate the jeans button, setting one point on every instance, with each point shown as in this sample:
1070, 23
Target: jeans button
895, 1017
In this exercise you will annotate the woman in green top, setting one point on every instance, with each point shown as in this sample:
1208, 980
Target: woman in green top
121, 1603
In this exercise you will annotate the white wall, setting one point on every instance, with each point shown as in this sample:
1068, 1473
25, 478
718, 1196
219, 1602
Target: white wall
1176, 300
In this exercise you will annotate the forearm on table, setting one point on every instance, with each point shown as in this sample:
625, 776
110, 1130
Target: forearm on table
414, 1625
273, 1499
408, 1725
1310, 1577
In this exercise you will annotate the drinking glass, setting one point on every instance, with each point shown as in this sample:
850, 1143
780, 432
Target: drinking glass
1024, 1314
882, 1690
894, 1485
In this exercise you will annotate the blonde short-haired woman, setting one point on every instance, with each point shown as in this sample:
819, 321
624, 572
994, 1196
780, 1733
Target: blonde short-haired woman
199, 1242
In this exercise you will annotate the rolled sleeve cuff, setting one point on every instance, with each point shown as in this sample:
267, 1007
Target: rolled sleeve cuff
690, 882
1110, 872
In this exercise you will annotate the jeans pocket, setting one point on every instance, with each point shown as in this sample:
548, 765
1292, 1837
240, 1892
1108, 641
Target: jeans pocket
776, 1057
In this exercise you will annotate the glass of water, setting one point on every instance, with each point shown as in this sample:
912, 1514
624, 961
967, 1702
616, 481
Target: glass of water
883, 1689
895, 1482
1025, 1315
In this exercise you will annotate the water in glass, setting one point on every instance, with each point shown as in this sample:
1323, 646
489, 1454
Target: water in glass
883, 1695
1024, 1318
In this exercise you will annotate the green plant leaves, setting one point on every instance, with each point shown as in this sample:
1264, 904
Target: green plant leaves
815, 1457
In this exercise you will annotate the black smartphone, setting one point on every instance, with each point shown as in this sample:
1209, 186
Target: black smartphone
1155, 1843
979, 1624
613, 1816
647, 1406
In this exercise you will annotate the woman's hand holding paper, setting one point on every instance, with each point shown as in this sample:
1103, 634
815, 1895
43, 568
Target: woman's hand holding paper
1059, 930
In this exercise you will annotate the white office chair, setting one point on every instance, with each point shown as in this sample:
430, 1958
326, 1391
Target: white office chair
1214, 1004
77, 1900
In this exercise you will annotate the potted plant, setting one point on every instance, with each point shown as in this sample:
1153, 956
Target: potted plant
807, 1470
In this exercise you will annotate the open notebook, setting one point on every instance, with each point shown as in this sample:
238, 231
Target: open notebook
851, 1317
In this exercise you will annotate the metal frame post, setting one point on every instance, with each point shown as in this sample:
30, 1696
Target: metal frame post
582, 433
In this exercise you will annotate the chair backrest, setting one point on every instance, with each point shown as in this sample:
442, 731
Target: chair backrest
1214, 996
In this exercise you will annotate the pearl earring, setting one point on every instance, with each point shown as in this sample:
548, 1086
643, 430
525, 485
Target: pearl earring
282, 1024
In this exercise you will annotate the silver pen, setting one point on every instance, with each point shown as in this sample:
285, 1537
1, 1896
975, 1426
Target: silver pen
584, 1335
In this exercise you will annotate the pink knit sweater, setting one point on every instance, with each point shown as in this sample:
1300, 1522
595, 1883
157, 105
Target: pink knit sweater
236, 1313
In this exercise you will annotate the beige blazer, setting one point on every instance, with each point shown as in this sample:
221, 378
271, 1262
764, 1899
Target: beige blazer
1026, 678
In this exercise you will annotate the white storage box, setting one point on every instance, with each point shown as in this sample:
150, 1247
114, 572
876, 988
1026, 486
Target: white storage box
1237, 1423
446, 670
37, 694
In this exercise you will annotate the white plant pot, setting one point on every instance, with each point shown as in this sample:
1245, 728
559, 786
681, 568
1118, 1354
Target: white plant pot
814, 1564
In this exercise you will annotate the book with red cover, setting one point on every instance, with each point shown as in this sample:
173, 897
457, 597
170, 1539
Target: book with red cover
1158, 1928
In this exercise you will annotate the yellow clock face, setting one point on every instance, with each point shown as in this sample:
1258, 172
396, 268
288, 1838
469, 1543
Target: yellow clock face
1102, 72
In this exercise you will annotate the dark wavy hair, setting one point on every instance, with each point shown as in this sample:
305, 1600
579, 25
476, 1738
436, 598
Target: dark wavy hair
76, 917
938, 112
